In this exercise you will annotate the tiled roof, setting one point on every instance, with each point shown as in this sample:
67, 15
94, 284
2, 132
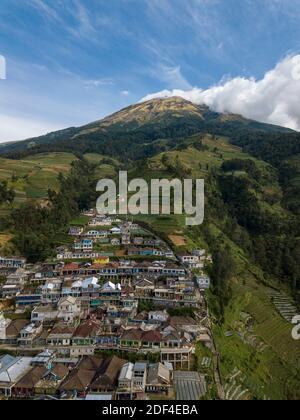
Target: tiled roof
152, 336
90, 363
31, 378
87, 329
108, 372
13, 330
81, 378
71, 266
134, 335
62, 330
78, 379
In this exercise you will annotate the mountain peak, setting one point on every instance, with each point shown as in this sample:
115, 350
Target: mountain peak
135, 129
151, 111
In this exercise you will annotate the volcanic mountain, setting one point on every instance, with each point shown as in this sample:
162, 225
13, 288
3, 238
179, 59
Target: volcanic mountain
140, 130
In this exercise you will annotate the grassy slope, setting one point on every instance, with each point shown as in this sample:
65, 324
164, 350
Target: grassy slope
34, 175
273, 372
104, 170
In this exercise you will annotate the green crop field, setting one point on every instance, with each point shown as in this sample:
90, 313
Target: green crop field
273, 371
33, 176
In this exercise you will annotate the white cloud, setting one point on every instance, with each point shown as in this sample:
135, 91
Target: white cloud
99, 82
273, 99
44, 9
15, 128
125, 93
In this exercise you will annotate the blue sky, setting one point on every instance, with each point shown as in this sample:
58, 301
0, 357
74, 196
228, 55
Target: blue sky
70, 62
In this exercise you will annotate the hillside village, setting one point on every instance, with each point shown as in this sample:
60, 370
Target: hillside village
116, 314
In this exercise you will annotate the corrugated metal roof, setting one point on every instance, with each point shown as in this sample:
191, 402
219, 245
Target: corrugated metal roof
189, 386
15, 371
126, 372
99, 397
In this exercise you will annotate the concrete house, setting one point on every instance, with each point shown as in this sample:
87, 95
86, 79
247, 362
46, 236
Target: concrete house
139, 377
191, 261
14, 283
19, 277
28, 334
125, 377
44, 358
11, 332
51, 291
69, 309
126, 238
131, 339
97, 234
28, 297
158, 379
100, 221
4, 324
84, 245
42, 314
12, 370
115, 231
76, 231
203, 282
61, 336
86, 333
138, 241
145, 252
151, 339
144, 287
12, 262
158, 316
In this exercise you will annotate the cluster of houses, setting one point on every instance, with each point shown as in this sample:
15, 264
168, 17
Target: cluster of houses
74, 330
94, 303
103, 231
91, 378
159, 283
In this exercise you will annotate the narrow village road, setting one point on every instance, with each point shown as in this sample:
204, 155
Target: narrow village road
216, 360
216, 356
217, 375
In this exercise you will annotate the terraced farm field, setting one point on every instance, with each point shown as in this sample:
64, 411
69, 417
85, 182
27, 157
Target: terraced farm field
33, 176
269, 373
284, 305
270, 326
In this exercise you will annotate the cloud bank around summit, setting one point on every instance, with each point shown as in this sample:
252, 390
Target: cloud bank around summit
275, 99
